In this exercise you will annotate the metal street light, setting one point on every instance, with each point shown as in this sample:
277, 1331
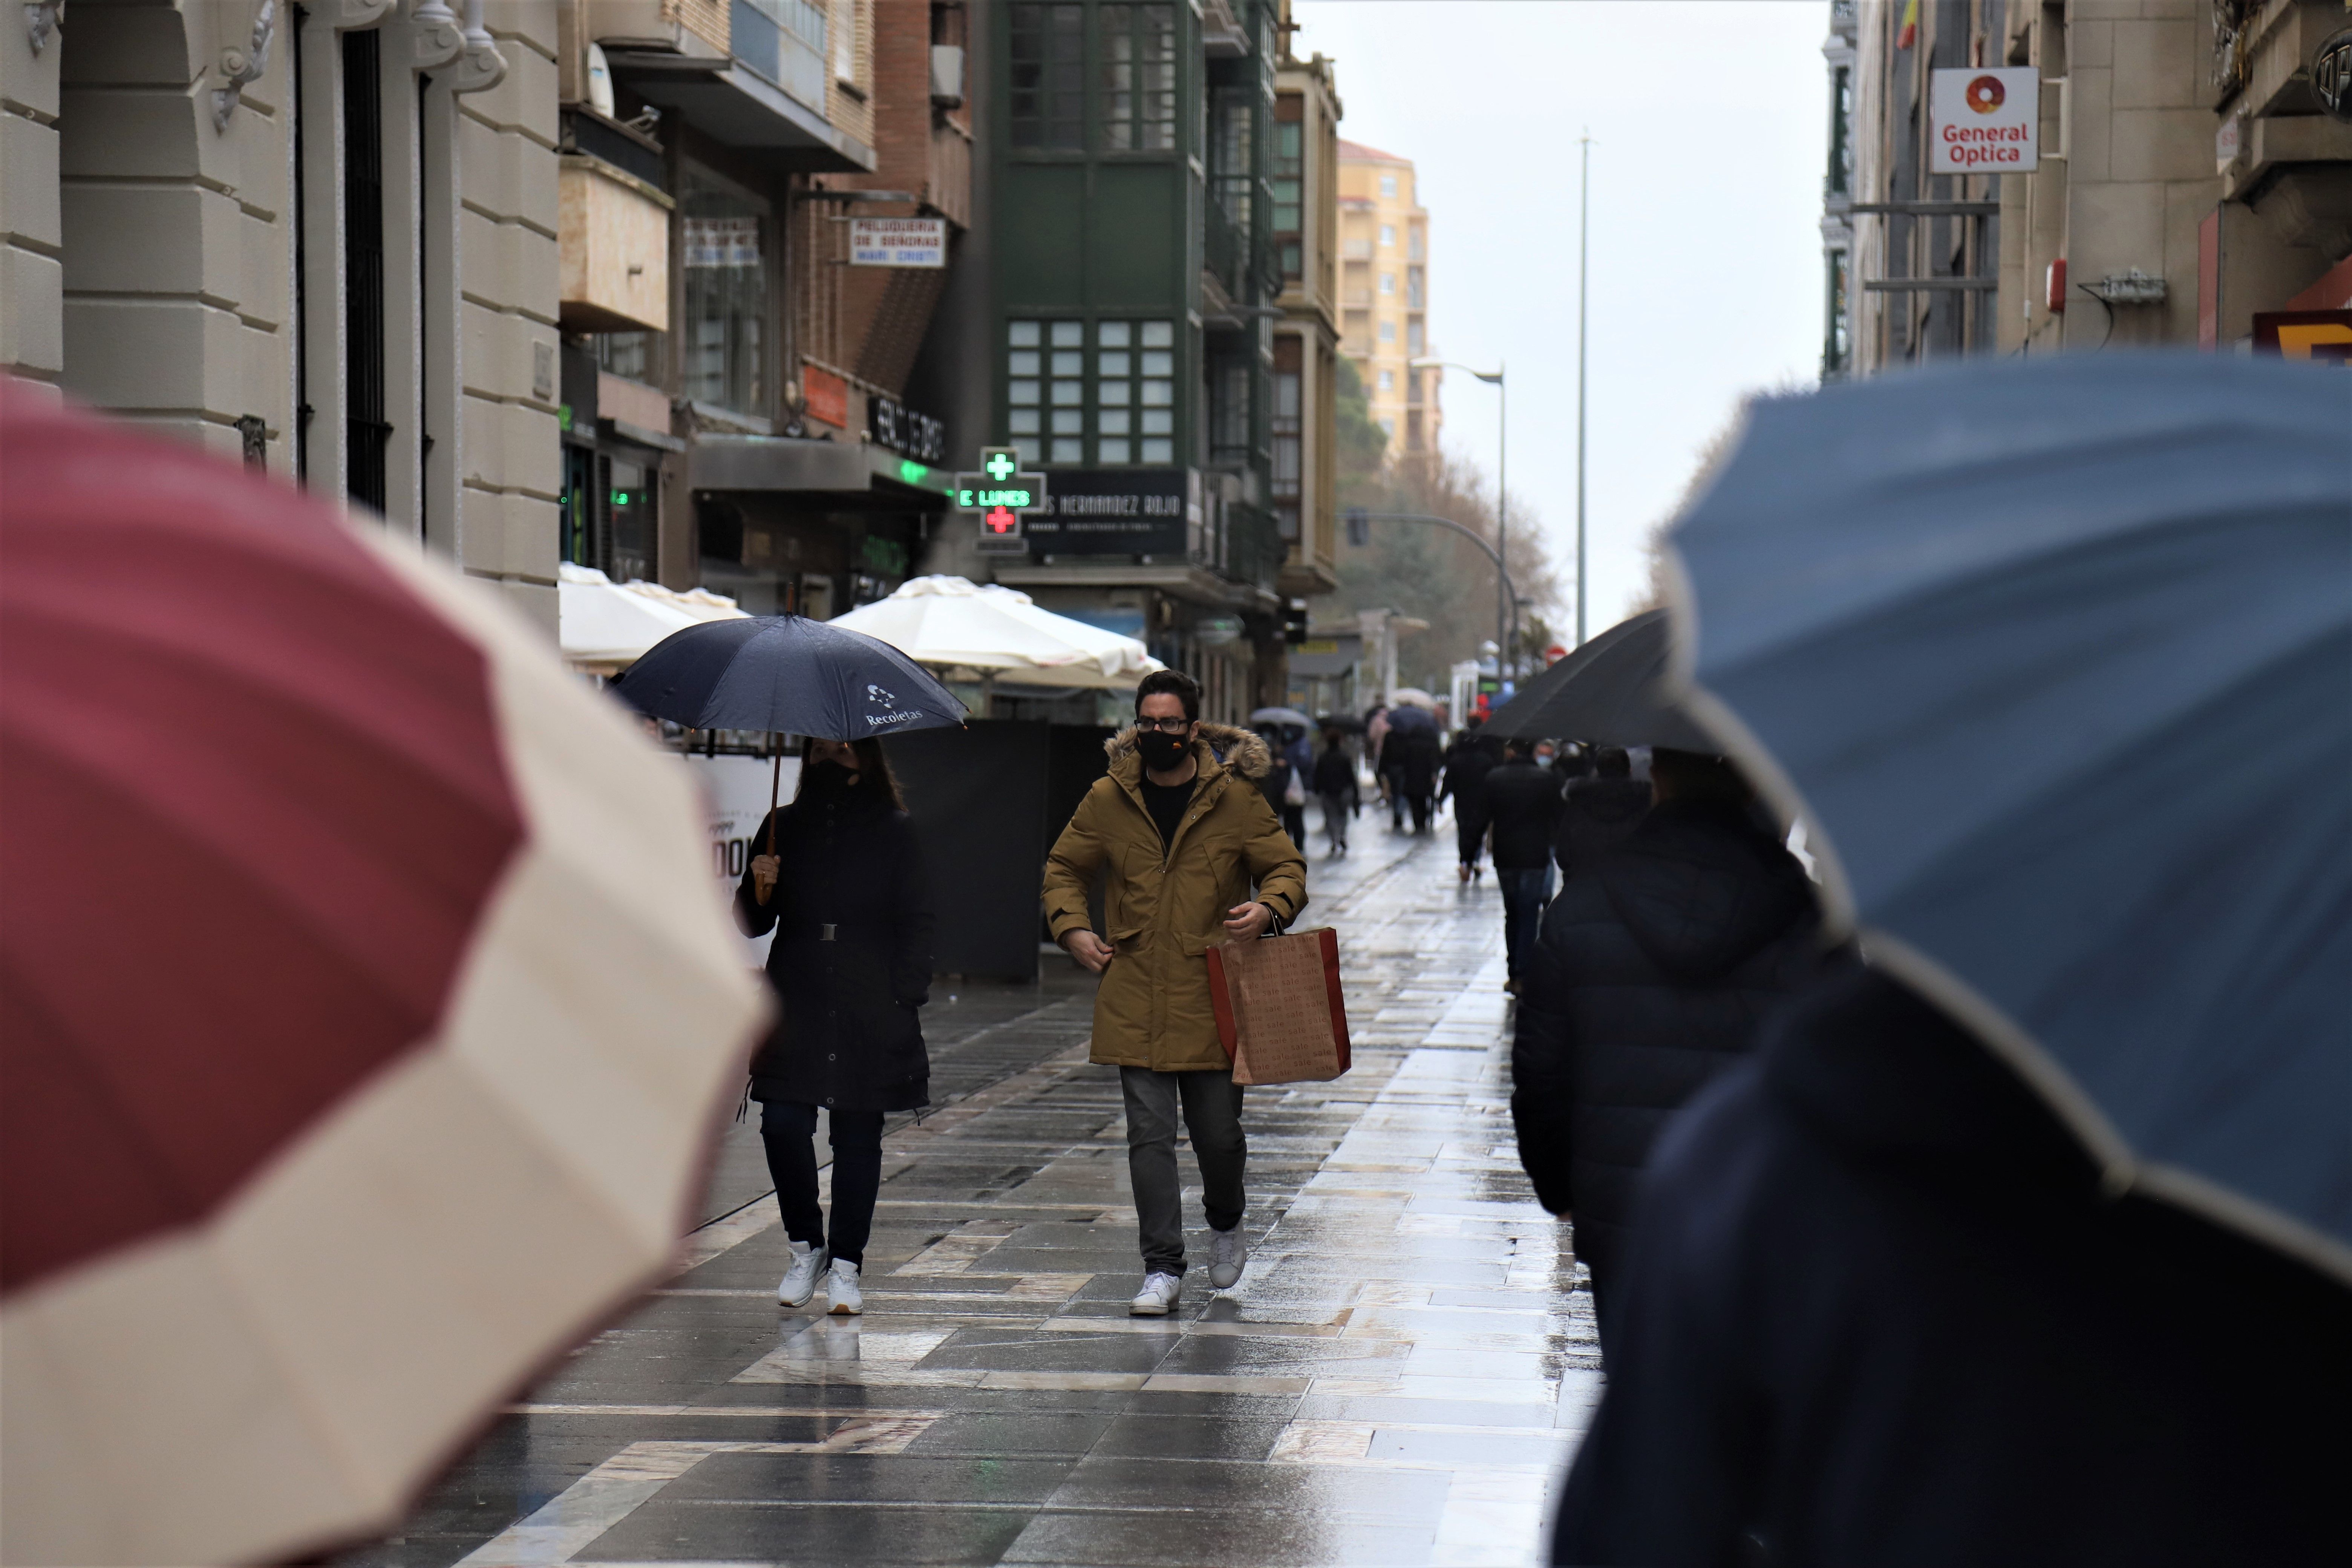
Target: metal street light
1506, 603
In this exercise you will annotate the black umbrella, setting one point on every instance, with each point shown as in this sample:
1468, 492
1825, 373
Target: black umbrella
1346, 723
1608, 692
786, 673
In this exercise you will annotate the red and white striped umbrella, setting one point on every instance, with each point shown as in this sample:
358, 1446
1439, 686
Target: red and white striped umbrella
364, 1009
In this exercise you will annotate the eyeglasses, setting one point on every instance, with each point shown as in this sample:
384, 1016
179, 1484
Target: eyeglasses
1165, 726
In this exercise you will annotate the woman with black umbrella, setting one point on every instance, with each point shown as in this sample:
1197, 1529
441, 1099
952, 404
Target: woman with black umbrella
841, 884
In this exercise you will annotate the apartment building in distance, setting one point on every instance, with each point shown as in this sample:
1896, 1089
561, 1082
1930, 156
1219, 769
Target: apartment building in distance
1384, 294
2193, 185
1305, 178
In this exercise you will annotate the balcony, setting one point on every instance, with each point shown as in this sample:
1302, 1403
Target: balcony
1356, 250
613, 245
751, 75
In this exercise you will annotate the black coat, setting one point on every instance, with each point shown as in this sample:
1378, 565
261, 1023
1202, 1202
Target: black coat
1595, 817
1410, 759
847, 1036
1467, 764
1335, 774
1877, 1312
1651, 976
1523, 803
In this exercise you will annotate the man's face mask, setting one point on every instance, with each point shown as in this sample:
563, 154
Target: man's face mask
1162, 752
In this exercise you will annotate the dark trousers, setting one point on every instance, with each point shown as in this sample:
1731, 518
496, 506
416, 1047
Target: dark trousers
1335, 819
788, 1129
1523, 907
1294, 822
1469, 831
1211, 1108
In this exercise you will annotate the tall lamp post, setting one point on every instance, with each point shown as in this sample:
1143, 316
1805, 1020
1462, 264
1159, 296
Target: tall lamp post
1506, 608
1583, 257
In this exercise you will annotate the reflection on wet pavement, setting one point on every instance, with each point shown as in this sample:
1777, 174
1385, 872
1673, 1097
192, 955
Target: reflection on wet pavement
1397, 1378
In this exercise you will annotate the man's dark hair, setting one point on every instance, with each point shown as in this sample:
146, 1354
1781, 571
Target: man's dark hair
1518, 748
1174, 681
1612, 762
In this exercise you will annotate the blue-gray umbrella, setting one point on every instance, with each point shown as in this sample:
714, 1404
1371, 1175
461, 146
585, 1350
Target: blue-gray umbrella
786, 673
2059, 660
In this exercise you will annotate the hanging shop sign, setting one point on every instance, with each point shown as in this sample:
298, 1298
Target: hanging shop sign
897, 242
1005, 499
1115, 511
891, 424
825, 396
1984, 120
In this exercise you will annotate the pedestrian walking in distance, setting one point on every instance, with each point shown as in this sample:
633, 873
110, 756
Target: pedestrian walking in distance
843, 888
1655, 968
1279, 784
1335, 787
1193, 855
1468, 762
1523, 806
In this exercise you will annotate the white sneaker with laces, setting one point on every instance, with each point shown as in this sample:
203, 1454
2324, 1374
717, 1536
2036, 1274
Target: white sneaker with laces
1227, 1254
1159, 1294
841, 1290
799, 1282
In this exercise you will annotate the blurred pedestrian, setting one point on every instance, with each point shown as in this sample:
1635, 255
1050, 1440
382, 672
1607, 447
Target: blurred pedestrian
1599, 811
1880, 1309
1655, 965
1284, 788
1523, 806
841, 883
1468, 762
1335, 787
1412, 758
1184, 836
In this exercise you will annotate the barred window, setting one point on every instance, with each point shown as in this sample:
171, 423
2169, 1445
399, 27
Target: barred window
1138, 77
1048, 86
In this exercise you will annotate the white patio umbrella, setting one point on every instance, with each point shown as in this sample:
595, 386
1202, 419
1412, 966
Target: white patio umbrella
606, 626
952, 623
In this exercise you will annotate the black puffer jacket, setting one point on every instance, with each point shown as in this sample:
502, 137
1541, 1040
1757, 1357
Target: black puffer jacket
847, 1036
1523, 803
1597, 815
1653, 971
1878, 1312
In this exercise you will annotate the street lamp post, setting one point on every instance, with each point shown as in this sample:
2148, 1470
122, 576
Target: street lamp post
1506, 605
1583, 259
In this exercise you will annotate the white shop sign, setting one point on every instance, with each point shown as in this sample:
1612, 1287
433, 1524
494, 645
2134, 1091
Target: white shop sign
735, 796
1984, 120
897, 242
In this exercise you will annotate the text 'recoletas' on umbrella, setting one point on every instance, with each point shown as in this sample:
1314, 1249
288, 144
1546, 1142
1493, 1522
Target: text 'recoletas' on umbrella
1613, 691
2059, 658
364, 1009
788, 674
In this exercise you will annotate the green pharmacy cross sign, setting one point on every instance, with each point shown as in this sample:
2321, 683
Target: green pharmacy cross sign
1002, 496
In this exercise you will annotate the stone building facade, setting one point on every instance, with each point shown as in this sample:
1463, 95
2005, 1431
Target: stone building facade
320, 240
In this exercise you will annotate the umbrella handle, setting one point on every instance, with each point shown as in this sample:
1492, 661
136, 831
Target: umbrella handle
775, 785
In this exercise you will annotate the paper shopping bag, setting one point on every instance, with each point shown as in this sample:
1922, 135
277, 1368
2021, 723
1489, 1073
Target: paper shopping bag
1280, 1015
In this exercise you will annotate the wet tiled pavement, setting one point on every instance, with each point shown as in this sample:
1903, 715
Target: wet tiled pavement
1397, 1378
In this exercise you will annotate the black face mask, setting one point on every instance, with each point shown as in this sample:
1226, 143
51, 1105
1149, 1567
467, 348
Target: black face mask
828, 780
1162, 752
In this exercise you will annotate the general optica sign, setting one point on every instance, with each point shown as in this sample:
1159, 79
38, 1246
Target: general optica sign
1984, 120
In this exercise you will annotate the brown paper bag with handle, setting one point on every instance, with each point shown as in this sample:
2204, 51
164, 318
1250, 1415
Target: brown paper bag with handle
1280, 1014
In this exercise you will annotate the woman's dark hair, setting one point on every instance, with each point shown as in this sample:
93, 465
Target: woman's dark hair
1612, 762
874, 781
1694, 775
1174, 681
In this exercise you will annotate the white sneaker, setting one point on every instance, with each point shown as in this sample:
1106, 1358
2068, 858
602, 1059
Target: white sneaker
841, 1290
1158, 1293
1226, 1255
799, 1282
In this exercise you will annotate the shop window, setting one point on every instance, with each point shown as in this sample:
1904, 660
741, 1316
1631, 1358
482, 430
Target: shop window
1138, 77
1047, 97
726, 288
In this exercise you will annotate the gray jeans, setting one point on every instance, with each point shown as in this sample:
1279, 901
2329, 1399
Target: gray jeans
1212, 1114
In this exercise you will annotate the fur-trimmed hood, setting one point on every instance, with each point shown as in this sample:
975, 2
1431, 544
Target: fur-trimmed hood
1243, 750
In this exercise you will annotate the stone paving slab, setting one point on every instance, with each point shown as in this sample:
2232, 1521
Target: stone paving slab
1398, 1378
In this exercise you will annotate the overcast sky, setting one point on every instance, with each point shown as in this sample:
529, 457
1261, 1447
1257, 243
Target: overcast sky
1709, 121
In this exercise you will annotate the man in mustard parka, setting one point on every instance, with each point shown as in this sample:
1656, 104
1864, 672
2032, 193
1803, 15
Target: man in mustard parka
1184, 834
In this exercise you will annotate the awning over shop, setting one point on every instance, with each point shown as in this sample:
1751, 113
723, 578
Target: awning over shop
605, 627
951, 622
794, 463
